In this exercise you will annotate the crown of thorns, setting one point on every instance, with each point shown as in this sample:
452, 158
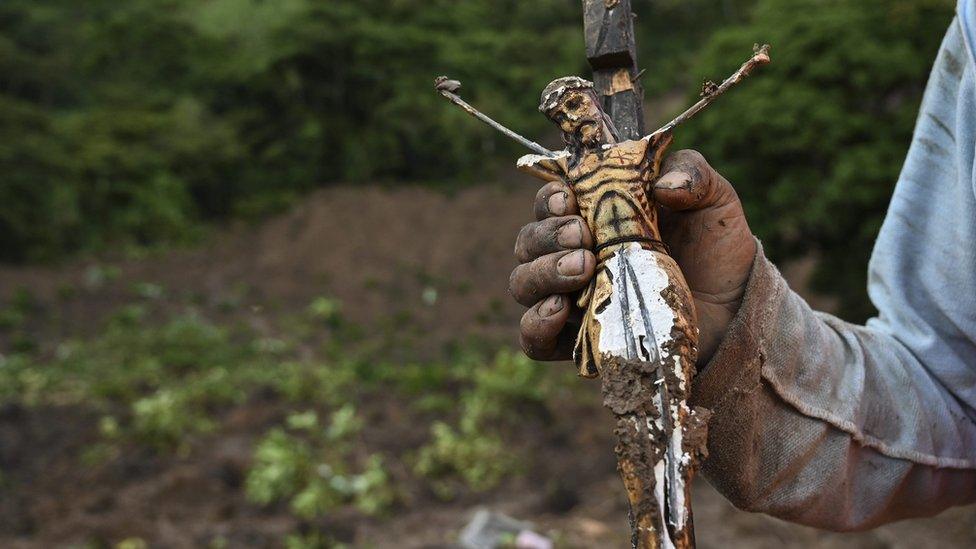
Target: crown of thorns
558, 87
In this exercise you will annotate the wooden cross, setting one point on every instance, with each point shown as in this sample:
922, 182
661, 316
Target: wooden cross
612, 52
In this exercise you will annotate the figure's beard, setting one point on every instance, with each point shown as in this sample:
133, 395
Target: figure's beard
589, 134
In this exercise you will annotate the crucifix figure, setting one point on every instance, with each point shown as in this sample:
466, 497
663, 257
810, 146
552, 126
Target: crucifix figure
638, 332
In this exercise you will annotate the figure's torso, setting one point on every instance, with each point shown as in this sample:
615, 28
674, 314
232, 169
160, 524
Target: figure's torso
610, 187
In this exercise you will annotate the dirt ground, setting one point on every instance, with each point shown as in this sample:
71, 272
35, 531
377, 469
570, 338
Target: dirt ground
378, 250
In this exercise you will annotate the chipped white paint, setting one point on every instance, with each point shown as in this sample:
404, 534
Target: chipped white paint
530, 160
615, 322
630, 332
659, 495
677, 368
558, 87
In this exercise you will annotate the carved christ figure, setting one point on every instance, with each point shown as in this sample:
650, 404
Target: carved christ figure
639, 323
611, 180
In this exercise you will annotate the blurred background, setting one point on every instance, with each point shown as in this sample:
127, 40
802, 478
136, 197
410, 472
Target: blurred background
253, 270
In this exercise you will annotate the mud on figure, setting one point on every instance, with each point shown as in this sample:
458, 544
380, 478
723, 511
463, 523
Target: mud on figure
638, 332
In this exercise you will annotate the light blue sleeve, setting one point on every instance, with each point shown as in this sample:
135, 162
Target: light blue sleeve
967, 18
922, 275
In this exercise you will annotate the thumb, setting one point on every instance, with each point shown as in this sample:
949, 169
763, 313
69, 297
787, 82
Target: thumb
688, 182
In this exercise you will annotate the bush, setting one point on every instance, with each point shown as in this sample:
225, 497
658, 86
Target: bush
815, 141
475, 453
311, 468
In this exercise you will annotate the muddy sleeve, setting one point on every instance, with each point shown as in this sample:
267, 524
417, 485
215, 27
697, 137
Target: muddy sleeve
826, 423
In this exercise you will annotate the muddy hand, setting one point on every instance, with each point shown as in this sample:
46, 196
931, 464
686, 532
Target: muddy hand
701, 220
555, 262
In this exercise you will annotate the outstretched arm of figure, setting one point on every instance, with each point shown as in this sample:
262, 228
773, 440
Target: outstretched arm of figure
546, 168
711, 91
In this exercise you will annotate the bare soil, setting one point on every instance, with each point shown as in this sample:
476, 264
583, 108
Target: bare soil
383, 252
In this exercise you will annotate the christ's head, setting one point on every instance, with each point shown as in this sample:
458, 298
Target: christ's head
571, 104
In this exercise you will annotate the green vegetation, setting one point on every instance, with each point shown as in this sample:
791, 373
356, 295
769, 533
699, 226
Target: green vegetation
311, 472
132, 123
166, 380
814, 144
170, 386
474, 451
136, 123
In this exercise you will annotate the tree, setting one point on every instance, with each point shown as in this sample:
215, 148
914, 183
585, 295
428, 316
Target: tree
814, 144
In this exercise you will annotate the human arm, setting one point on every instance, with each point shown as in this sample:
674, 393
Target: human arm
816, 420
846, 427
771, 450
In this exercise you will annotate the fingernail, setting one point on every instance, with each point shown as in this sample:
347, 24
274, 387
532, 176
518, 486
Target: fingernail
557, 203
570, 235
551, 306
571, 264
673, 180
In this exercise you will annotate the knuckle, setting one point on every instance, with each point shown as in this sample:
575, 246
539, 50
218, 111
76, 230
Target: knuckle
527, 334
529, 349
514, 286
538, 238
532, 336
694, 164
521, 243
550, 230
529, 323
544, 192
710, 187
688, 160
541, 205
524, 284
691, 156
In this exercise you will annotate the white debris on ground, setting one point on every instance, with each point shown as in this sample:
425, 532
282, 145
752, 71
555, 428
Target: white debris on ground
490, 530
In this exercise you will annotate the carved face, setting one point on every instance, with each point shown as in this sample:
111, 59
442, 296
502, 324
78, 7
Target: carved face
578, 115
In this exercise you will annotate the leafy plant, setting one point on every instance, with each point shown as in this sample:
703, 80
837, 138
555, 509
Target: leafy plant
312, 540
480, 459
161, 383
309, 467
325, 309
475, 451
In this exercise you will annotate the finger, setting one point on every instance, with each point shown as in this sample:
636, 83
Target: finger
688, 182
551, 235
543, 332
558, 273
555, 199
